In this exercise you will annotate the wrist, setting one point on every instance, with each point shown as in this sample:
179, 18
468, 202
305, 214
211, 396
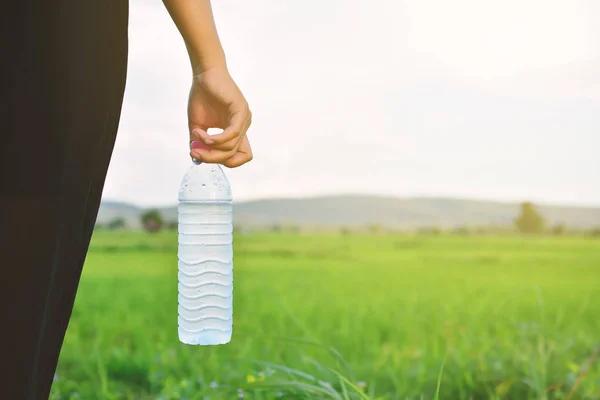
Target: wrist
203, 63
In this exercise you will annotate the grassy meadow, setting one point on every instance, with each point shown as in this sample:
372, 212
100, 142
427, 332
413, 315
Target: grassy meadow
326, 316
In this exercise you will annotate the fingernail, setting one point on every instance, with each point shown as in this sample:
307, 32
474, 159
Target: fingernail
209, 141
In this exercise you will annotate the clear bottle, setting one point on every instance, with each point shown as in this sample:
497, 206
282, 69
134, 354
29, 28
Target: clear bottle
205, 254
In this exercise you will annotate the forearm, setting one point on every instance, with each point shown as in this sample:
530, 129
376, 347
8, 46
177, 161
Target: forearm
195, 21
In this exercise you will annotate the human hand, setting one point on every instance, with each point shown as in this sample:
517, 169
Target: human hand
215, 101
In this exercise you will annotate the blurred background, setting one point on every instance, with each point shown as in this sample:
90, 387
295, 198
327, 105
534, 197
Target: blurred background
421, 219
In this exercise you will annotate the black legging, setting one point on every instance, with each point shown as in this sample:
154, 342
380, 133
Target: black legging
61, 88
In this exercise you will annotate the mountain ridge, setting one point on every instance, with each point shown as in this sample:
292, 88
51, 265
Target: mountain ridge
354, 210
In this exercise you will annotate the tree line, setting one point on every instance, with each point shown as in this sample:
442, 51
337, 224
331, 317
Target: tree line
529, 221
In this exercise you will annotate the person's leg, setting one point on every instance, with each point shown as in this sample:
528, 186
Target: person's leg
60, 102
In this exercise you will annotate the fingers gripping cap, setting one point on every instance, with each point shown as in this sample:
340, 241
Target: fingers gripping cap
196, 144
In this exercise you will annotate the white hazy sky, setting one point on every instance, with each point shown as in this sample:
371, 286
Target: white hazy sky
463, 98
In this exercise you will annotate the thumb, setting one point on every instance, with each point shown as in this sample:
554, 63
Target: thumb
198, 133
197, 139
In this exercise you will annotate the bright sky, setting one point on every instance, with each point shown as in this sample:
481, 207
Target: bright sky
469, 98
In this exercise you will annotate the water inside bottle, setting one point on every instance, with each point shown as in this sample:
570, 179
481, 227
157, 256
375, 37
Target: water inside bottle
205, 257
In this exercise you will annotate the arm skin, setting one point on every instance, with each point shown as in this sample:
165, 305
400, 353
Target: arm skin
215, 101
195, 21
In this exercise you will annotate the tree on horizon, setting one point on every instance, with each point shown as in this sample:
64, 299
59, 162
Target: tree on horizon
152, 221
530, 220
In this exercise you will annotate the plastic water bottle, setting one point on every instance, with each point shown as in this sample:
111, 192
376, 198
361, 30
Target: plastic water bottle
205, 255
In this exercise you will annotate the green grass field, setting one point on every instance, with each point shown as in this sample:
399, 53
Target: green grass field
344, 317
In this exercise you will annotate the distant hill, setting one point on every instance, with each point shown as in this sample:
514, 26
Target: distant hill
360, 210
111, 210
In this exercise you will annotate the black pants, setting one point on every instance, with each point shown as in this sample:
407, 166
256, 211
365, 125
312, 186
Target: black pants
61, 87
